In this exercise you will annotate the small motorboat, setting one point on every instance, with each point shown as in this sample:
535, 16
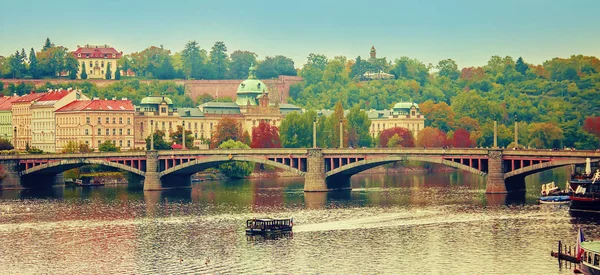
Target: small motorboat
562, 199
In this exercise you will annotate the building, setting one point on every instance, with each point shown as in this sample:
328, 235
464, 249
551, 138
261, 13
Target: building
253, 104
6, 125
43, 123
95, 121
376, 72
21, 119
403, 114
97, 60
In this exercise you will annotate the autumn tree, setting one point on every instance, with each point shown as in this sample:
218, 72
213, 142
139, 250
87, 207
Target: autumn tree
431, 137
405, 137
545, 135
462, 139
177, 137
438, 115
265, 135
228, 128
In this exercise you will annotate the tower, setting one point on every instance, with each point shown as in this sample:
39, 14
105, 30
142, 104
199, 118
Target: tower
373, 53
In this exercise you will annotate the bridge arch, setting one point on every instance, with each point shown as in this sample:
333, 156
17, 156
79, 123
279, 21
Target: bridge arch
359, 166
539, 167
56, 167
203, 163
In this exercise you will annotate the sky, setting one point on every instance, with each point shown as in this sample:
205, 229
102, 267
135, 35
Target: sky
467, 31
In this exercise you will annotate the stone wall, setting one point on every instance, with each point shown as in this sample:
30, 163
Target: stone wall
193, 88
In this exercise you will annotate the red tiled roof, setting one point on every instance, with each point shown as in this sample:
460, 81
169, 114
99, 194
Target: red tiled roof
29, 98
55, 95
6, 102
99, 105
97, 52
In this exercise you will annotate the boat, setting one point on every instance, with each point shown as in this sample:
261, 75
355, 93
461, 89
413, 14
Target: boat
551, 189
586, 255
583, 174
93, 182
586, 196
561, 199
268, 226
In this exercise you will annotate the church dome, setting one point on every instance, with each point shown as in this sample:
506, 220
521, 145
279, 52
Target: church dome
250, 89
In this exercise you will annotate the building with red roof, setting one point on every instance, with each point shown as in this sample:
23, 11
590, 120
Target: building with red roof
21, 119
94, 122
43, 124
96, 60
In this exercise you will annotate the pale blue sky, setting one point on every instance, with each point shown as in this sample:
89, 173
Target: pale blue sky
468, 31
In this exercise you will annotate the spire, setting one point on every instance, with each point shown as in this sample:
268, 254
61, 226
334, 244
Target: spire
373, 52
251, 71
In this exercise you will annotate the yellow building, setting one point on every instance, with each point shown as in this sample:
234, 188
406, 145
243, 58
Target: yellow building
43, 125
97, 60
6, 125
95, 121
21, 119
403, 114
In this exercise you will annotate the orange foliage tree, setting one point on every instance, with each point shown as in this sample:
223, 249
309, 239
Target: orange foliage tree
265, 136
462, 139
592, 125
432, 137
406, 137
228, 128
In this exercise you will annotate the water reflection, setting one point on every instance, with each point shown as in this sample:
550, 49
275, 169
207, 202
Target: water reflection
258, 238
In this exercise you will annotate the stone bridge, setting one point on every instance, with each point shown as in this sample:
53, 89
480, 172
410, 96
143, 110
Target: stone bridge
323, 169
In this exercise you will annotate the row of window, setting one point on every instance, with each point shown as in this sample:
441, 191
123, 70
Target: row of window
107, 131
588, 256
412, 126
114, 120
101, 63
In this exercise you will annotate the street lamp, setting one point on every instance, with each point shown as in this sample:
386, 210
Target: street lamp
151, 135
183, 135
516, 133
315, 132
341, 134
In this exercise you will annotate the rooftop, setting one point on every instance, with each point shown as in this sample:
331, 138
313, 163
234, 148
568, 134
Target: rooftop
29, 97
96, 51
6, 102
98, 105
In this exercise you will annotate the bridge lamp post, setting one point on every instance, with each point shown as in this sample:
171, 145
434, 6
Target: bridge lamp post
183, 135
151, 135
315, 132
341, 134
516, 133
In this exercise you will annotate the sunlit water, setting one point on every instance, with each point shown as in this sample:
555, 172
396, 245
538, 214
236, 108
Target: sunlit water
441, 223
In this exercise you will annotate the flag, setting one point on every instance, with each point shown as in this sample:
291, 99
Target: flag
580, 239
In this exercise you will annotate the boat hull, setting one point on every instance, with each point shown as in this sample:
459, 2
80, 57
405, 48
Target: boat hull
589, 270
585, 204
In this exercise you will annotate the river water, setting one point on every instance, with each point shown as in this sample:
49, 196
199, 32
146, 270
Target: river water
423, 223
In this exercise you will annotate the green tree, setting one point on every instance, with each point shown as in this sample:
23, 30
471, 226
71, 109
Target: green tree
108, 146
273, 67
448, 68
235, 169
159, 141
33, 64
108, 74
47, 44
296, 129
117, 73
545, 135
240, 63
71, 147
193, 60
219, 61
83, 71
358, 125
521, 67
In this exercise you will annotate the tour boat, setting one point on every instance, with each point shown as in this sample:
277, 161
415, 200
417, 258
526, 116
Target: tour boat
268, 226
590, 260
582, 175
586, 196
564, 199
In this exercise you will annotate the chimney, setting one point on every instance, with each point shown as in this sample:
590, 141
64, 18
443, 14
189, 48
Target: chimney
123, 98
114, 98
96, 98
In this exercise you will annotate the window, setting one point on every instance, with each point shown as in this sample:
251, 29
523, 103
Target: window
114, 132
99, 120
86, 132
114, 120
99, 132
107, 120
120, 143
128, 132
99, 142
107, 132
120, 120
128, 120
120, 132
91, 65
163, 109
87, 120
102, 64
129, 143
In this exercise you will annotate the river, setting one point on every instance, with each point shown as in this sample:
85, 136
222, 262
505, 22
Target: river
422, 223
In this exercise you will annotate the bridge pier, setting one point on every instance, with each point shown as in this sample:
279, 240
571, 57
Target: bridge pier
495, 178
12, 177
152, 178
315, 179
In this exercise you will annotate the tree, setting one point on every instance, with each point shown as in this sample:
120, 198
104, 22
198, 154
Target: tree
462, 139
448, 68
521, 67
203, 98
117, 73
295, 130
273, 67
193, 60
405, 137
219, 60
235, 169
5, 145
72, 65
108, 74
240, 63
108, 146
33, 64
159, 141
358, 124
177, 137
71, 147
228, 128
431, 137
438, 115
545, 135
83, 74
48, 44
265, 135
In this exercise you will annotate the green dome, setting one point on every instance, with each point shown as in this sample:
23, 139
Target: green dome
250, 89
405, 105
157, 100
